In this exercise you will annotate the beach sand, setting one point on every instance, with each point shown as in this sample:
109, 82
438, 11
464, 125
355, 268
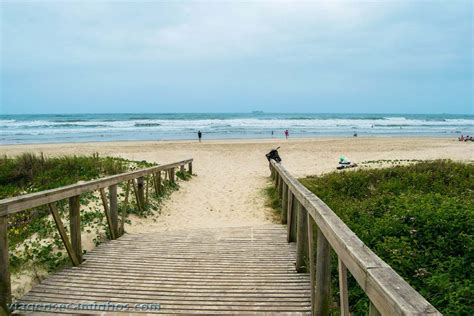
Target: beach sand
231, 175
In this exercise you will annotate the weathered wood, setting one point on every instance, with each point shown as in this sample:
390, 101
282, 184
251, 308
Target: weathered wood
373, 310
27, 201
181, 168
184, 281
5, 283
190, 168
322, 299
124, 208
284, 205
384, 287
291, 217
141, 191
63, 234
172, 175
105, 203
343, 289
75, 225
147, 188
279, 185
114, 209
312, 261
301, 238
137, 199
155, 183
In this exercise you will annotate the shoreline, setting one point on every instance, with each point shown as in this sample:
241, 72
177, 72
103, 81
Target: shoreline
234, 140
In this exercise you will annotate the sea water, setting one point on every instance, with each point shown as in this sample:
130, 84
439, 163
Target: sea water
55, 128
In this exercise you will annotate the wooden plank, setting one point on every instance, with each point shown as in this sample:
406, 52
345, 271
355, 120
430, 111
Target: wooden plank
312, 261
141, 191
124, 209
373, 310
322, 299
284, 205
5, 282
105, 203
75, 225
147, 188
137, 199
157, 183
62, 233
172, 175
291, 236
259, 279
27, 201
343, 289
114, 209
358, 259
301, 238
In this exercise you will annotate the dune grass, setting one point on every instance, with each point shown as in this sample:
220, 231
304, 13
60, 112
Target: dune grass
33, 238
418, 218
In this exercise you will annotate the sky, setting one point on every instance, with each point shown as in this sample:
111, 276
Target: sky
236, 56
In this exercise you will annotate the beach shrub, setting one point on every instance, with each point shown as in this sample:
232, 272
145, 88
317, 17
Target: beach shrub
418, 218
33, 237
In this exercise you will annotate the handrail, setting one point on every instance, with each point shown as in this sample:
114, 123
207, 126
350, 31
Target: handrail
19, 203
135, 182
389, 293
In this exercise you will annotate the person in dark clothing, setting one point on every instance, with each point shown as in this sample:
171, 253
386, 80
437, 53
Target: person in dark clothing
199, 135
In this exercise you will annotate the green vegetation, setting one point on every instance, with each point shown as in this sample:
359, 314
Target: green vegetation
418, 218
33, 238
273, 201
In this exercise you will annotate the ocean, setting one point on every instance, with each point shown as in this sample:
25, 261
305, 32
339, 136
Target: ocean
59, 128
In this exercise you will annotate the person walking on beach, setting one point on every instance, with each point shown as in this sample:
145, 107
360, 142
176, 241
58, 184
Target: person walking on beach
199, 135
287, 133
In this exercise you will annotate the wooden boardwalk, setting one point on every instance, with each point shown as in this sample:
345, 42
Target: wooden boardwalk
245, 270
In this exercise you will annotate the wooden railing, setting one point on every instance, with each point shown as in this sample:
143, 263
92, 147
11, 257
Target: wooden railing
303, 211
135, 180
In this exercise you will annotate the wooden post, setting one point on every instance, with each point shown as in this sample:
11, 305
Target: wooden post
190, 168
141, 192
5, 283
281, 188
284, 205
107, 212
124, 209
181, 168
75, 225
147, 185
373, 310
278, 187
301, 238
312, 261
172, 179
291, 217
343, 290
114, 209
62, 233
323, 276
158, 182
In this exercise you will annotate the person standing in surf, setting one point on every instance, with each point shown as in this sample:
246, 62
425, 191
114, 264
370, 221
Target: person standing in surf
199, 135
287, 133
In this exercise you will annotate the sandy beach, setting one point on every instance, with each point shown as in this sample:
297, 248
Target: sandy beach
231, 174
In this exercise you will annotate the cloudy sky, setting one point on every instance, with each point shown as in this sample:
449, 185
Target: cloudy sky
276, 56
